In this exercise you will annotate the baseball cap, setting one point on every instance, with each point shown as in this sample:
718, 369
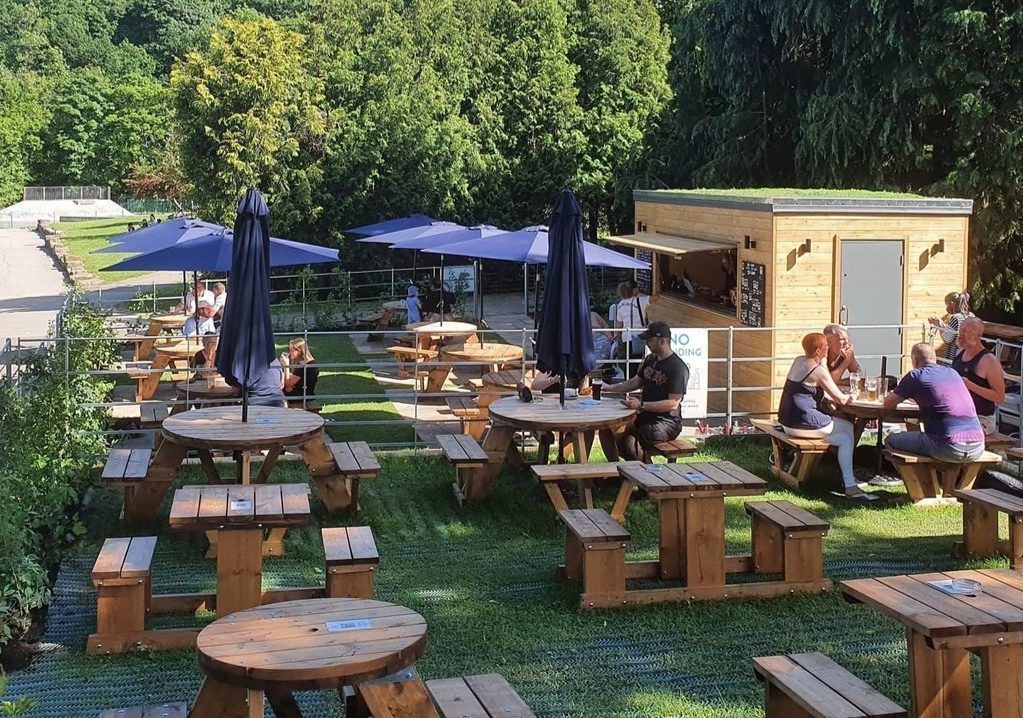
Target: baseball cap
656, 329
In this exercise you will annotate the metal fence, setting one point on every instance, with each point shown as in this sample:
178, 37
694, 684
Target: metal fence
66, 192
399, 405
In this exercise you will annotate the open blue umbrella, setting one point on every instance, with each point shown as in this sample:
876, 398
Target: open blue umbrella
564, 341
158, 236
214, 252
390, 225
246, 336
402, 235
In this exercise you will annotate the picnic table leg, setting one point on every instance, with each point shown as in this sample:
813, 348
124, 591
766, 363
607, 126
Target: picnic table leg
330, 486
239, 570
622, 501
147, 387
704, 541
579, 446
145, 347
283, 703
939, 680
244, 468
1001, 668
672, 514
208, 466
609, 444
143, 501
269, 463
479, 481
219, 700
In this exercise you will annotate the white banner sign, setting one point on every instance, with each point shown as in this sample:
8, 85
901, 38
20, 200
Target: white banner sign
455, 275
692, 347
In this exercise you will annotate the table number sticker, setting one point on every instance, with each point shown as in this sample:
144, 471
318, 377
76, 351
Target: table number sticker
353, 625
241, 505
265, 420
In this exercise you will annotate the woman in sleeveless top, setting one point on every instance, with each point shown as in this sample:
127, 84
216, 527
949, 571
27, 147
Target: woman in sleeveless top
807, 384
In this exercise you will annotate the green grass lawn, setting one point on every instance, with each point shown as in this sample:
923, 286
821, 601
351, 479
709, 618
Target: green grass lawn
483, 577
82, 238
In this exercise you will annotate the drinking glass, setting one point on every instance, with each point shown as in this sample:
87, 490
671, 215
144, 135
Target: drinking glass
211, 379
854, 384
871, 383
882, 387
597, 386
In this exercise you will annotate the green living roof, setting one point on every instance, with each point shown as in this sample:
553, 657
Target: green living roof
787, 199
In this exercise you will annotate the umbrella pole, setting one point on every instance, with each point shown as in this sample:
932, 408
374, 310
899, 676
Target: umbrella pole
195, 291
536, 298
245, 404
442, 290
525, 289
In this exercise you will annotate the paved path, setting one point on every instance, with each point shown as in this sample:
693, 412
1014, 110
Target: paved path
31, 286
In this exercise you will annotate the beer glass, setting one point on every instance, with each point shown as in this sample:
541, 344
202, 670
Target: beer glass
597, 385
882, 387
854, 384
871, 383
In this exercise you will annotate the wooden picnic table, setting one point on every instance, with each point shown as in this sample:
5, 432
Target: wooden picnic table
941, 632
168, 353
234, 518
581, 420
198, 391
158, 323
691, 505
491, 355
313, 644
220, 428
864, 410
431, 335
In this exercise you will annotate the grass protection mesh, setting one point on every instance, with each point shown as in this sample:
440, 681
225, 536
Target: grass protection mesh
483, 576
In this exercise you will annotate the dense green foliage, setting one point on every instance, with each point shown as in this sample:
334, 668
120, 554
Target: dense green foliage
347, 111
50, 445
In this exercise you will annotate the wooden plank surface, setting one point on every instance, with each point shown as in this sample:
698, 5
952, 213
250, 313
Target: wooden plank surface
547, 415
593, 525
292, 645
295, 498
401, 699
364, 455
138, 464
575, 472
221, 427
241, 503
497, 696
185, 505
920, 617
139, 557
804, 688
364, 548
336, 549
999, 500
851, 688
453, 697
116, 464
269, 503
343, 457
111, 558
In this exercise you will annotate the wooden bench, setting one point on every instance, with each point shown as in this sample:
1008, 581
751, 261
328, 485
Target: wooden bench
553, 478
355, 461
466, 455
811, 685
1000, 443
122, 576
805, 454
125, 467
595, 553
352, 559
410, 355
930, 482
472, 418
356, 708
673, 449
484, 696
151, 416
787, 540
980, 524
167, 710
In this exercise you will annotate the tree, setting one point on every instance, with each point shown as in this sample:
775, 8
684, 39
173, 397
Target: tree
622, 51
168, 29
249, 114
21, 117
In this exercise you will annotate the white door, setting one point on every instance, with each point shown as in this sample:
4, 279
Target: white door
871, 294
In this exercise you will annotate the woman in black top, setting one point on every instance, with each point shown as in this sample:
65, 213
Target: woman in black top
300, 373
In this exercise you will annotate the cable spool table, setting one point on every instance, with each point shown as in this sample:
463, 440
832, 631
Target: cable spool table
167, 353
580, 417
220, 428
199, 391
313, 644
159, 323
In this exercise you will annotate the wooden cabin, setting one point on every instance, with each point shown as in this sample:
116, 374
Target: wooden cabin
798, 260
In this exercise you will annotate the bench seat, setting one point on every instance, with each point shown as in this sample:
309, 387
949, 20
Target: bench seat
123, 581
127, 466
805, 454
152, 414
931, 482
595, 547
811, 685
980, 524
999, 443
787, 540
553, 478
462, 451
672, 450
355, 459
483, 696
472, 417
351, 557
165, 710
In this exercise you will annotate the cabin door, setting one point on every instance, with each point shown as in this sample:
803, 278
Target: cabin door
871, 294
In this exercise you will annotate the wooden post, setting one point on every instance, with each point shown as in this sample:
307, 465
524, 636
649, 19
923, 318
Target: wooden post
939, 679
239, 570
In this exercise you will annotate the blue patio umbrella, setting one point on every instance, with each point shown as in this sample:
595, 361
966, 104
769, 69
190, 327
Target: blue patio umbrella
247, 333
402, 235
564, 342
158, 236
390, 225
476, 233
214, 252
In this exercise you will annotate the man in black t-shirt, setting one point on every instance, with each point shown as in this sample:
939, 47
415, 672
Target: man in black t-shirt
662, 379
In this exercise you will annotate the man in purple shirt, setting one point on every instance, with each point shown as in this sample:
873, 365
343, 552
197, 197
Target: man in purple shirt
952, 431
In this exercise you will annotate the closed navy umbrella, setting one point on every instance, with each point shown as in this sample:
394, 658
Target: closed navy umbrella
564, 342
246, 335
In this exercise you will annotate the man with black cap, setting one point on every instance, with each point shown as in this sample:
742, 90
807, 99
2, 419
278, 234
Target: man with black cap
662, 379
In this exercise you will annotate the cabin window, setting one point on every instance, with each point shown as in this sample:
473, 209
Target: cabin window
707, 278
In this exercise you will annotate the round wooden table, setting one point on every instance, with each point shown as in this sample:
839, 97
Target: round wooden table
863, 410
493, 356
505, 380
199, 391
431, 335
158, 323
301, 645
220, 428
182, 348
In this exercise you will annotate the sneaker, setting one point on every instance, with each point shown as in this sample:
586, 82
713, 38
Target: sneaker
862, 486
885, 481
854, 492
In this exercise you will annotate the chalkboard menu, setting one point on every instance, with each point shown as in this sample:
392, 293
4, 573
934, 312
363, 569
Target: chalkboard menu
644, 277
752, 289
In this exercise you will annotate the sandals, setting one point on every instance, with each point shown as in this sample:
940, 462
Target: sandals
855, 492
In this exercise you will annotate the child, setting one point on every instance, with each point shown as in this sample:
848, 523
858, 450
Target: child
413, 306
